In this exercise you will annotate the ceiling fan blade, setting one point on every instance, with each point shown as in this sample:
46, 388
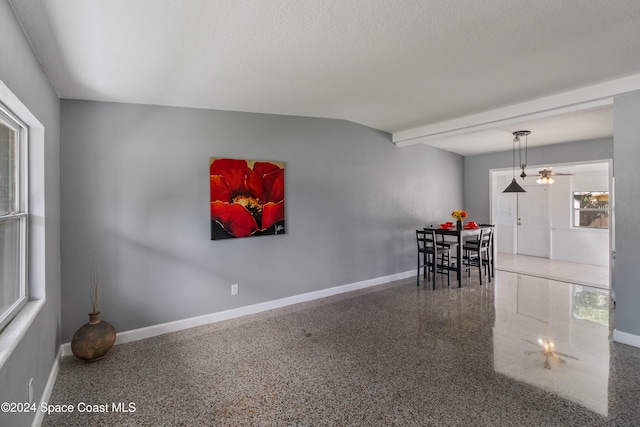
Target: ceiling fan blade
548, 172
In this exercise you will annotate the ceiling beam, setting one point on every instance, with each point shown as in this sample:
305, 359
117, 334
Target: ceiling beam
585, 98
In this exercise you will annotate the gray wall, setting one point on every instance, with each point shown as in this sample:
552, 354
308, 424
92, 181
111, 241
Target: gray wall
627, 233
477, 168
135, 192
34, 355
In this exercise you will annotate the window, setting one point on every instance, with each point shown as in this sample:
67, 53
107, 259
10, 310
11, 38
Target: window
591, 209
13, 216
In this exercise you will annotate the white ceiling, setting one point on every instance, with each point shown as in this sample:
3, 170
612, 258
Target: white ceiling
457, 74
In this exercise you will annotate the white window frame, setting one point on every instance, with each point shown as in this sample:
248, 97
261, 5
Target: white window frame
19, 214
575, 210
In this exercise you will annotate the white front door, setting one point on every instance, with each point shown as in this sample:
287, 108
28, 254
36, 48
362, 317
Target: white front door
533, 221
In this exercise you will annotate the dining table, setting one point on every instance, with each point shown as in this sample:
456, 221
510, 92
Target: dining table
460, 234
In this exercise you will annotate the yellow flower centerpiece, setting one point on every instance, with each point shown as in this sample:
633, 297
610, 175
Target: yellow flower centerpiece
459, 216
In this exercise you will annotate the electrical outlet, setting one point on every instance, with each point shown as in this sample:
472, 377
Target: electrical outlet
31, 391
234, 289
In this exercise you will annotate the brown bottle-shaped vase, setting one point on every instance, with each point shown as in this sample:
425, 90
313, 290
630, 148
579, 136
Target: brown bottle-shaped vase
94, 339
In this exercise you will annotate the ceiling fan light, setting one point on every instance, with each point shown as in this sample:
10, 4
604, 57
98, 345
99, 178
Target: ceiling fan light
545, 180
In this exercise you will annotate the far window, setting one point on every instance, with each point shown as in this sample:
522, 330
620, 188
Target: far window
13, 216
591, 209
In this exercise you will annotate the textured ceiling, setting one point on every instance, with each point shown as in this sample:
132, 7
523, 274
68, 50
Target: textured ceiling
393, 65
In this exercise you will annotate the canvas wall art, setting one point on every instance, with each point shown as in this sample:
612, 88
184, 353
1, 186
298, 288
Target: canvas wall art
247, 198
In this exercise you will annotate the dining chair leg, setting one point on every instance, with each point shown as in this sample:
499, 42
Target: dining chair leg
434, 270
493, 259
422, 266
425, 266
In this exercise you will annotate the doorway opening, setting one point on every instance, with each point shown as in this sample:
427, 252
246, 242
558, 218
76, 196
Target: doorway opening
540, 222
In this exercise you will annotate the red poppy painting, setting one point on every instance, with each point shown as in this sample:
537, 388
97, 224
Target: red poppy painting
247, 198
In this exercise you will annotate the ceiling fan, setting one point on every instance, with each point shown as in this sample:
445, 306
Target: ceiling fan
547, 174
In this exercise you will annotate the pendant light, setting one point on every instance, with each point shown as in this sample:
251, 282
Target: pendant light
514, 187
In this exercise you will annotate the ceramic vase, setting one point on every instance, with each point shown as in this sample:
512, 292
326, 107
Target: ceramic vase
459, 224
94, 339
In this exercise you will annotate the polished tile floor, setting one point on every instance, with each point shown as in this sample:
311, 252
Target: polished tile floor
564, 308
583, 274
553, 335
518, 351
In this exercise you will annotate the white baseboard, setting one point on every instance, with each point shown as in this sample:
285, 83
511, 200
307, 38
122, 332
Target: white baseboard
626, 338
48, 388
179, 325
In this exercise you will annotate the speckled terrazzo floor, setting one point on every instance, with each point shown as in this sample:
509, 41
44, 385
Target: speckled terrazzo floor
394, 354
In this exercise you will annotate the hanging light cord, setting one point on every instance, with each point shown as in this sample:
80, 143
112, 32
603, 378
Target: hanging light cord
526, 150
517, 138
513, 164
523, 165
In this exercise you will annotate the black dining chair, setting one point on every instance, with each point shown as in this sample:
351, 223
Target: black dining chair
433, 258
477, 253
443, 241
492, 261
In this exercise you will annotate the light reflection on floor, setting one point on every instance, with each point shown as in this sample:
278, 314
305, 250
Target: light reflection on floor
554, 335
